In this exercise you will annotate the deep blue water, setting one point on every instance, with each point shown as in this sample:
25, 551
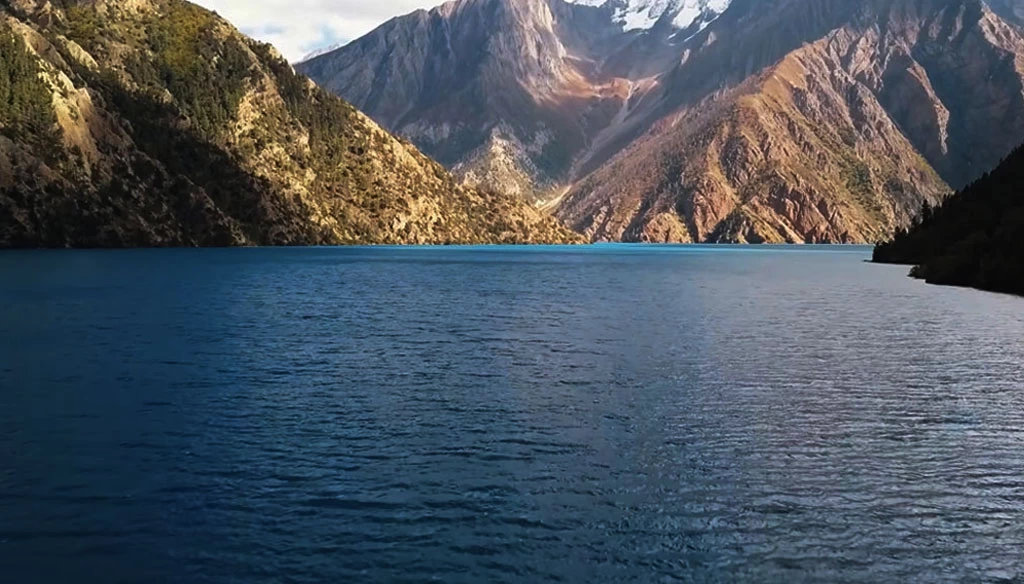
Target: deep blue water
604, 414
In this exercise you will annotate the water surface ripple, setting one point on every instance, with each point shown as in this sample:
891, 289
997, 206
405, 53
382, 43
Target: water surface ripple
608, 414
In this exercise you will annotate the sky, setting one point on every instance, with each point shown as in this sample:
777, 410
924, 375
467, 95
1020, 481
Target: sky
298, 27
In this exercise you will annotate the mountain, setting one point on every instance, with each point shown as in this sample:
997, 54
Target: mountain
973, 239
680, 120
857, 113
507, 92
156, 123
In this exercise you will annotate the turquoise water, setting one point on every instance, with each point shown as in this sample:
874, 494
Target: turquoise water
598, 414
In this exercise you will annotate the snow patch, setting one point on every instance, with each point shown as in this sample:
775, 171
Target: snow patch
639, 15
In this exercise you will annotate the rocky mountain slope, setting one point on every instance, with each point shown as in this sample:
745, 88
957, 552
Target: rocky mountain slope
973, 239
840, 140
507, 92
155, 123
766, 120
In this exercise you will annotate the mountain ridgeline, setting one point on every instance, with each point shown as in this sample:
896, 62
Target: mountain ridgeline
974, 238
705, 121
156, 123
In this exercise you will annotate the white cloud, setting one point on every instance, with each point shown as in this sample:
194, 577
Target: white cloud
297, 27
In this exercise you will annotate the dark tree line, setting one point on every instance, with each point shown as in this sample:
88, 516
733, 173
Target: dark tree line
976, 238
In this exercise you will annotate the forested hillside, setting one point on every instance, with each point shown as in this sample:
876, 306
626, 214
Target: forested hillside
974, 239
156, 123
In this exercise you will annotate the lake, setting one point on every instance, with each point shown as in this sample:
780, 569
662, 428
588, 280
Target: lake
590, 414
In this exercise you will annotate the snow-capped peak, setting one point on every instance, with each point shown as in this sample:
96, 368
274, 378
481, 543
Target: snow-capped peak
644, 14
